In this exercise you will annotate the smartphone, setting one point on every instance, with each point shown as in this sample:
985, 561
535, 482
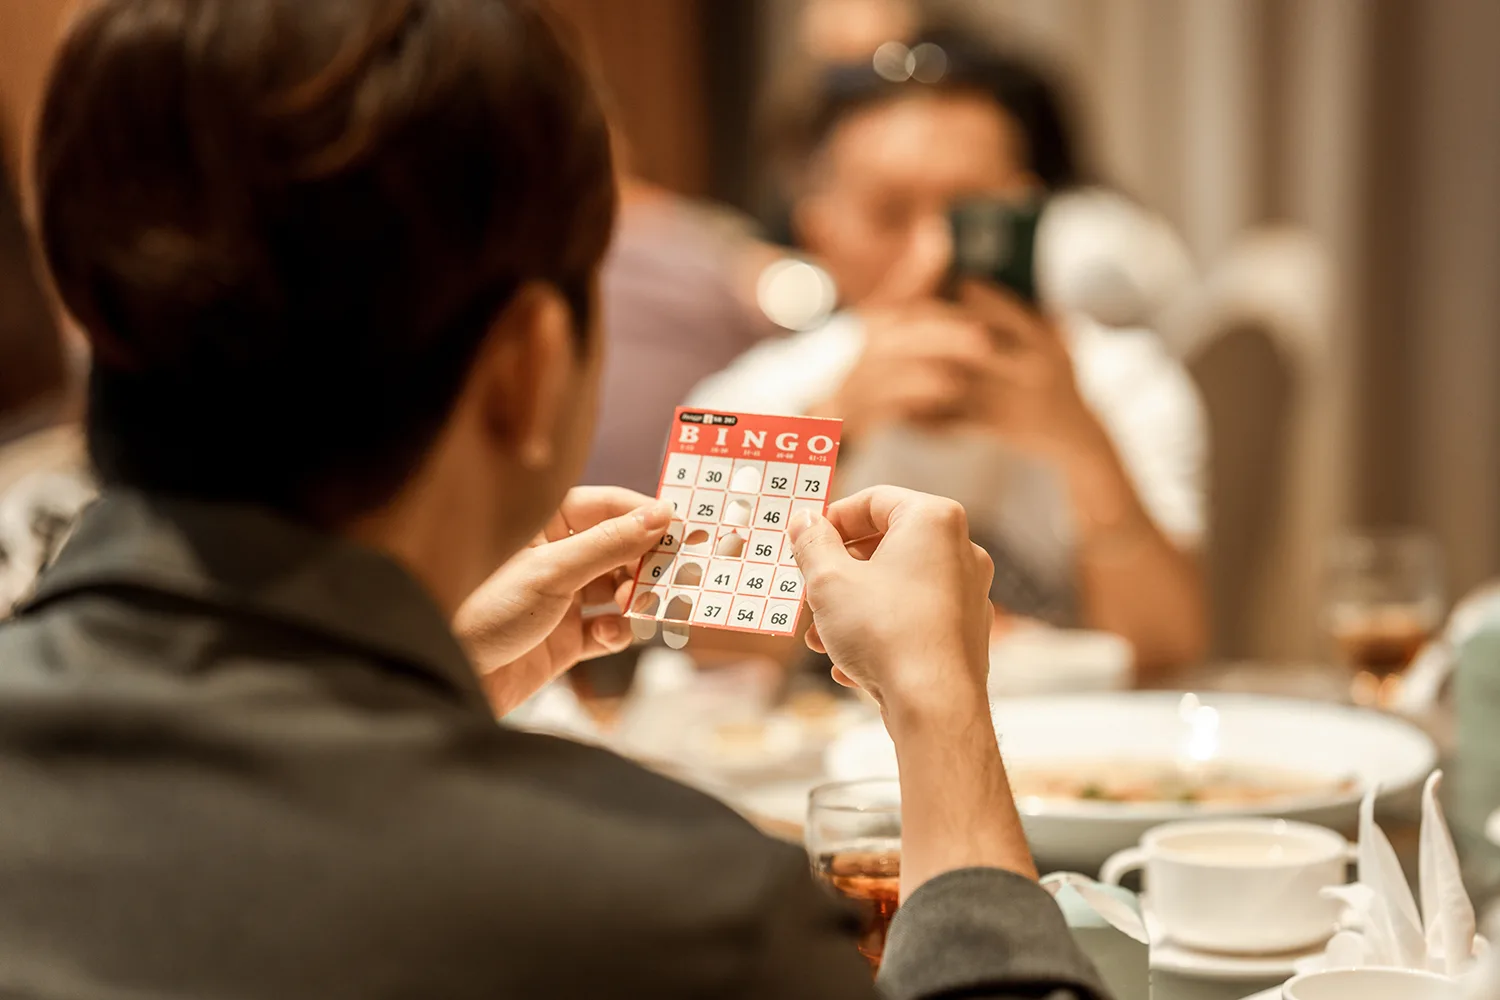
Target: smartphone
994, 239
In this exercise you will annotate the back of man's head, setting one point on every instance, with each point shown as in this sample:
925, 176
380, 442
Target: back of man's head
288, 225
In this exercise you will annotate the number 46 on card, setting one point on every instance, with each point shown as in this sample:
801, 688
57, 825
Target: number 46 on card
735, 481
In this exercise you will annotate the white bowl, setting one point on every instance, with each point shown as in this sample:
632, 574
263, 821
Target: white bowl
1032, 660
1317, 739
1371, 984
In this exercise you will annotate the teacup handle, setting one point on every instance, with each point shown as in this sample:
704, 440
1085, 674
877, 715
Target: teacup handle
1122, 864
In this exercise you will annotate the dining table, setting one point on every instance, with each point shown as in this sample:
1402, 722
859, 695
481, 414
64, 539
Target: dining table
1312, 681
774, 797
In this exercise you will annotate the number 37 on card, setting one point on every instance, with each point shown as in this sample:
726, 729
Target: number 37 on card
735, 480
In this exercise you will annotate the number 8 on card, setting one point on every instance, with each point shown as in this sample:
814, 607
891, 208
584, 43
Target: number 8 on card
738, 478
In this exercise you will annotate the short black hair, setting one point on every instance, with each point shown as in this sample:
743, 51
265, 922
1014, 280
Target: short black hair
1026, 92
287, 226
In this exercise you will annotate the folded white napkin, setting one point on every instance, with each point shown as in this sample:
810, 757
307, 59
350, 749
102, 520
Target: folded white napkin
1382, 924
1115, 906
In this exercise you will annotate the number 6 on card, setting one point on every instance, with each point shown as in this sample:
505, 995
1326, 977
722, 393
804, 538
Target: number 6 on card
739, 478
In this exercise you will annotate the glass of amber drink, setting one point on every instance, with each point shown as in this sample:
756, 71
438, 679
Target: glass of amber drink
1385, 601
853, 836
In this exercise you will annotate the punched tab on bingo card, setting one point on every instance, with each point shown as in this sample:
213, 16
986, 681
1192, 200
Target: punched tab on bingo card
736, 480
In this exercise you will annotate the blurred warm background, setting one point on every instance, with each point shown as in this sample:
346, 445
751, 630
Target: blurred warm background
1331, 166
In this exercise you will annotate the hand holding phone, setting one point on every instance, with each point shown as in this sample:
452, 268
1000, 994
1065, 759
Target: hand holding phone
994, 240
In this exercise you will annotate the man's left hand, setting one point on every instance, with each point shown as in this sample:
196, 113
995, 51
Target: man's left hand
525, 626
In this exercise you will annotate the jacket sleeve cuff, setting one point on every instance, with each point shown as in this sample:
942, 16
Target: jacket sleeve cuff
983, 932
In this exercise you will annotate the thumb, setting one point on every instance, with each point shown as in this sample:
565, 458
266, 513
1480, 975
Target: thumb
569, 564
817, 546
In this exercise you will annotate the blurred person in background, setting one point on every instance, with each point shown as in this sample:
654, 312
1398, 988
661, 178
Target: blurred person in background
1072, 437
346, 363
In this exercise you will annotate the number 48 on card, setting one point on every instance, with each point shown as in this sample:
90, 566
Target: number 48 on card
735, 481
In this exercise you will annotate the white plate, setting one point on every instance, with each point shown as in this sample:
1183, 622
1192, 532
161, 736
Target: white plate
1169, 957
1274, 993
783, 802
1036, 660
743, 748
1314, 738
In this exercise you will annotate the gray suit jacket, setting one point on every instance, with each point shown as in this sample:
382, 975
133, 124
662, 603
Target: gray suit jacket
239, 759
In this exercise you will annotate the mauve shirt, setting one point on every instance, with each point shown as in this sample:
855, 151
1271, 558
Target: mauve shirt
671, 318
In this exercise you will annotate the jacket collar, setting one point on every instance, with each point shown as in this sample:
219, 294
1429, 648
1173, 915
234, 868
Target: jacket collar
247, 560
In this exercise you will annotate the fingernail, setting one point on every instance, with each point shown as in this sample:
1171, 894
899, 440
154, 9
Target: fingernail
609, 631
801, 521
655, 517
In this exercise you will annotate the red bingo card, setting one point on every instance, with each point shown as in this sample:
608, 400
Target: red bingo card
736, 481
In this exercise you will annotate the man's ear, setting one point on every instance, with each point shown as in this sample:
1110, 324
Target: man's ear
530, 366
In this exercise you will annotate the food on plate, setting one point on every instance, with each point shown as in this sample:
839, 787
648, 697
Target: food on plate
814, 704
822, 713
741, 737
744, 744
1212, 783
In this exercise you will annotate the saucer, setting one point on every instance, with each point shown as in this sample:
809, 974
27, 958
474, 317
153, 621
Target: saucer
1272, 994
1168, 956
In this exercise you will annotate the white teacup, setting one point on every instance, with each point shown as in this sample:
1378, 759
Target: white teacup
1371, 984
1240, 886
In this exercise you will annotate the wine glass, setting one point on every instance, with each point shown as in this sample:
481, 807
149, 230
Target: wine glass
853, 836
1384, 602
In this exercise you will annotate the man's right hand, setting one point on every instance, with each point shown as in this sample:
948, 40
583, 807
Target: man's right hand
905, 615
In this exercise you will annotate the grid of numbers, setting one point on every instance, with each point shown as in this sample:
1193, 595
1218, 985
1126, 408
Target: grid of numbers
726, 560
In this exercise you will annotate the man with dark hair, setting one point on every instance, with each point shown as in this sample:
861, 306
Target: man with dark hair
338, 262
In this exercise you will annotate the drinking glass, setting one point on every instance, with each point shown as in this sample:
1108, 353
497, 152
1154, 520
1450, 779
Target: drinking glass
1385, 600
854, 839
